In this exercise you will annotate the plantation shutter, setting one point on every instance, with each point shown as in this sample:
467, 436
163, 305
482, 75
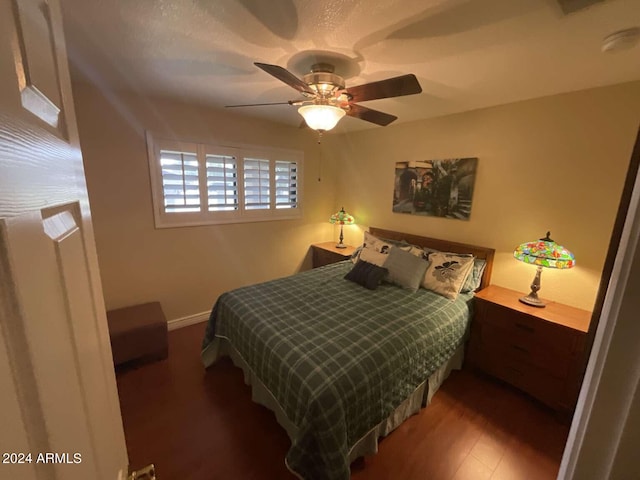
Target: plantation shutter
286, 184
180, 187
209, 184
256, 184
222, 183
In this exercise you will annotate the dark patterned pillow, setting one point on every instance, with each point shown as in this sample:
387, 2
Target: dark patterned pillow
366, 274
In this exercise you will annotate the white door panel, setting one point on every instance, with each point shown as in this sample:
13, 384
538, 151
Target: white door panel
10, 417
84, 326
40, 319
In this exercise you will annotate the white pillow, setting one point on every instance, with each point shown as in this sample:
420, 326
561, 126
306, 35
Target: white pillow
372, 256
373, 250
375, 243
415, 251
447, 273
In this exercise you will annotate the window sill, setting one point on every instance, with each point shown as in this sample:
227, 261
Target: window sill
161, 223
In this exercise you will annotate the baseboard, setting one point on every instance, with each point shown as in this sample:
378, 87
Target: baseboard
187, 321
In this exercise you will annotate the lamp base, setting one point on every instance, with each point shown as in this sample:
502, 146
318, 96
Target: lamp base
532, 300
340, 244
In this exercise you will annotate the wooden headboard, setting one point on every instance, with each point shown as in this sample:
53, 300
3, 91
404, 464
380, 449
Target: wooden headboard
444, 246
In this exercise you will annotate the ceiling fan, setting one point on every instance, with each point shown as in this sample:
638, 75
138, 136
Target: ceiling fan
327, 100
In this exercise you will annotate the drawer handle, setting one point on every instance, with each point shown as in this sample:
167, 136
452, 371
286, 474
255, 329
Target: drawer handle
520, 349
526, 328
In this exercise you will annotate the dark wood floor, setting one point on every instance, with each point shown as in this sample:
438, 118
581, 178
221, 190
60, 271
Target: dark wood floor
202, 425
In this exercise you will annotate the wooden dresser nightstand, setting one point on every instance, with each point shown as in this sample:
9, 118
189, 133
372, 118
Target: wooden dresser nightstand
326, 253
537, 350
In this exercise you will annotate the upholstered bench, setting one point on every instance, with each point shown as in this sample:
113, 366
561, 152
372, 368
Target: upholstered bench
138, 333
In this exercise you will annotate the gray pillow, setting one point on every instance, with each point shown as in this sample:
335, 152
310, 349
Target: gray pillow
405, 269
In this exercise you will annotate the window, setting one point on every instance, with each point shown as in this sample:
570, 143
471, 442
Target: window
286, 184
200, 184
222, 183
180, 187
256, 184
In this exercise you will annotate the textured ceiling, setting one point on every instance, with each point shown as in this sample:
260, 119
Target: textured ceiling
467, 54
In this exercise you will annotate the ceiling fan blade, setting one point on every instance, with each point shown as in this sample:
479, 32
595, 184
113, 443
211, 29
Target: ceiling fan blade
287, 77
392, 87
369, 115
290, 102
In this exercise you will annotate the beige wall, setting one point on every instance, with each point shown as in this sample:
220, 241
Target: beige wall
185, 268
555, 163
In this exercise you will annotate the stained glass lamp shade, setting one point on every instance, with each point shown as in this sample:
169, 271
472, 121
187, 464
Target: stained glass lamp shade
542, 253
341, 218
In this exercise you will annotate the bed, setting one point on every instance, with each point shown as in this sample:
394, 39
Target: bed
341, 365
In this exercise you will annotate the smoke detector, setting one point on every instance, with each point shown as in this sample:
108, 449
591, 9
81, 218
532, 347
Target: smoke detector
621, 40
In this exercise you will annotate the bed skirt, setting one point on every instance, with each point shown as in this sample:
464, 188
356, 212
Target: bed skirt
368, 444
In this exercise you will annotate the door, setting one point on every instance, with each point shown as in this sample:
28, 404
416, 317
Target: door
59, 410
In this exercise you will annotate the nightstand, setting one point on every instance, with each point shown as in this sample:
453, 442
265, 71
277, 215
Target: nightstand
326, 253
537, 350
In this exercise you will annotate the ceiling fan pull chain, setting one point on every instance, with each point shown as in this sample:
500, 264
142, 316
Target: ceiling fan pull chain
320, 160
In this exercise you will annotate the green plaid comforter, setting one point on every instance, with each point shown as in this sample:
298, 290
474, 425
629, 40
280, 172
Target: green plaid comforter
338, 358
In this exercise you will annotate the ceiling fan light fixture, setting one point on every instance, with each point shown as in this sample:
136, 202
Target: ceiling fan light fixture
321, 117
327, 100
621, 40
